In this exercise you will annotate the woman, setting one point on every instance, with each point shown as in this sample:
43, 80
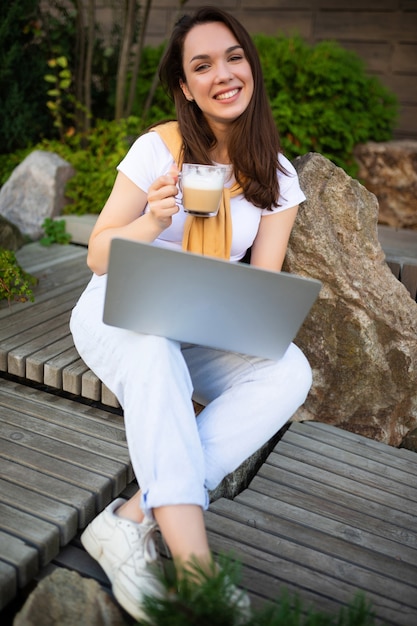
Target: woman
212, 70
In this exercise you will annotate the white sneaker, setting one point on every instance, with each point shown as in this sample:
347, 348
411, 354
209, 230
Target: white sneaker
126, 552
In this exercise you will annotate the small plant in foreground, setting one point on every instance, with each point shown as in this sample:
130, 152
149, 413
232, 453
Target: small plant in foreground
54, 232
214, 599
15, 283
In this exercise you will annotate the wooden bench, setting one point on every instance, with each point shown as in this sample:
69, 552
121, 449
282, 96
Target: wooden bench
329, 512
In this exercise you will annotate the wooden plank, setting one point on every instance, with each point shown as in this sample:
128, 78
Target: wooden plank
302, 569
82, 500
108, 398
46, 508
319, 502
60, 341
32, 530
340, 519
363, 445
15, 350
34, 257
8, 584
384, 471
289, 521
398, 242
52, 443
20, 556
100, 485
409, 278
19, 321
72, 376
53, 368
395, 269
63, 440
367, 576
90, 386
82, 418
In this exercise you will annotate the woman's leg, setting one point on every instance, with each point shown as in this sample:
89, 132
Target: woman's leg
247, 399
151, 380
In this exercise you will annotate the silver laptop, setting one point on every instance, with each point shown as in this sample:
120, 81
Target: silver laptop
205, 301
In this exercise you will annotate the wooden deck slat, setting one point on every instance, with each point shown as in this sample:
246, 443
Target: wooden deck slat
363, 446
72, 376
17, 350
344, 463
42, 507
8, 583
303, 568
21, 557
100, 485
409, 279
290, 522
81, 499
35, 362
328, 513
317, 534
43, 536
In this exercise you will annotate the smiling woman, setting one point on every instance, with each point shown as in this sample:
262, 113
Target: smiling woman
212, 71
219, 80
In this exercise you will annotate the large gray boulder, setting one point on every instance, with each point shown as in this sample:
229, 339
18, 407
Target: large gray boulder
361, 334
10, 236
64, 598
34, 191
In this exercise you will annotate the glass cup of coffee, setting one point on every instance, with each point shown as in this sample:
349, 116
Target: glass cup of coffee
202, 188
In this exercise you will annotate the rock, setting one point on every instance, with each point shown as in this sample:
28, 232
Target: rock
64, 598
10, 236
410, 441
361, 335
34, 191
389, 170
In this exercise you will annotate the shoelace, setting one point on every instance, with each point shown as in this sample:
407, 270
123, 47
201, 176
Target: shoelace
143, 544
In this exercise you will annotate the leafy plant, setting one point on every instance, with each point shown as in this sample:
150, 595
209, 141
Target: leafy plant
54, 232
24, 117
15, 283
203, 598
95, 165
323, 100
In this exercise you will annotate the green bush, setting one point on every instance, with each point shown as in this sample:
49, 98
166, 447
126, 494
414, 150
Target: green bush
15, 283
94, 163
323, 100
321, 96
24, 117
208, 602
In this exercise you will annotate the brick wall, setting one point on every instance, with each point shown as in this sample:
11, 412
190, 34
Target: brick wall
382, 32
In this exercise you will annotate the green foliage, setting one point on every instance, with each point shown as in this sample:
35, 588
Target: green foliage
15, 283
24, 117
323, 100
54, 232
162, 106
61, 100
94, 159
211, 601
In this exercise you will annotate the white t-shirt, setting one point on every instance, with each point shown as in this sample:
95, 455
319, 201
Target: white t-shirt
149, 158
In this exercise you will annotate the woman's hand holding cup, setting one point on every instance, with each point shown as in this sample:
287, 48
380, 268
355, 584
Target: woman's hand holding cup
161, 198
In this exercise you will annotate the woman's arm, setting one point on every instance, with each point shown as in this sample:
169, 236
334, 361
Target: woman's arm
122, 216
271, 242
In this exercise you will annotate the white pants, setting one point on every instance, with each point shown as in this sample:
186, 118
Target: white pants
177, 457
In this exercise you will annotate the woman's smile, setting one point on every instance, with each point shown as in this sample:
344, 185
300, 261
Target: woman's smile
217, 72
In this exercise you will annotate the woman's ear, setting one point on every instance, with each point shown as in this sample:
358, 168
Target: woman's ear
186, 91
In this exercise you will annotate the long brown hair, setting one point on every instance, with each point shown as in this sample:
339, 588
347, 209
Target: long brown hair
253, 143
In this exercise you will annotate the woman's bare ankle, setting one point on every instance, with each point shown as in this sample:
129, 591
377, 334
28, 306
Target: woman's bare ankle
131, 510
